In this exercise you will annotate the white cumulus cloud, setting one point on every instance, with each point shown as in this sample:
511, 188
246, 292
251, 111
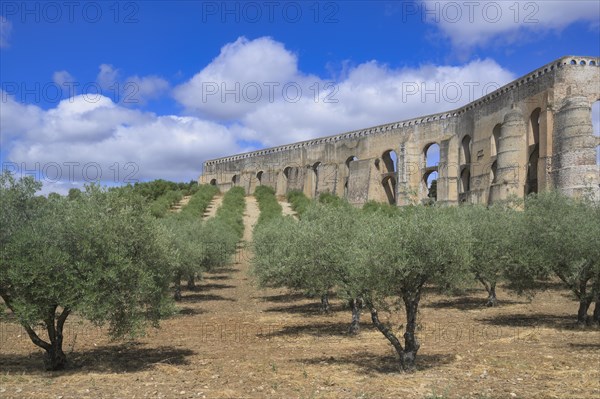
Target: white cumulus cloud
476, 23
105, 137
303, 106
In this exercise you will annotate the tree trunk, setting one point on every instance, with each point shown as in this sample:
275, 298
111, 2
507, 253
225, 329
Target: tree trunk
584, 303
491, 290
582, 316
411, 344
325, 303
491, 300
191, 283
55, 357
387, 333
596, 314
177, 294
355, 305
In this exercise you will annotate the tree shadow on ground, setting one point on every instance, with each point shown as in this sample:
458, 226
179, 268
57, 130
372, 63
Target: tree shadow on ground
204, 297
186, 311
216, 277
336, 330
309, 309
370, 363
128, 357
470, 303
559, 322
208, 286
289, 297
223, 270
593, 346
456, 292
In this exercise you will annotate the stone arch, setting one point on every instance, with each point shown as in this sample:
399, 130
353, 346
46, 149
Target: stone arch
495, 140
389, 185
316, 168
390, 161
349, 160
235, 180
533, 152
430, 172
213, 182
466, 146
430, 179
494, 172
259, 176
464, 183
431, 154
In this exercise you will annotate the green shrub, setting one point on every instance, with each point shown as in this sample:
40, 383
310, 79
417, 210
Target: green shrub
299, 201
267, 203
200, 201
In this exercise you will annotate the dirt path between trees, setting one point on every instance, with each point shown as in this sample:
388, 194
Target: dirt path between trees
183, 202
234, 340
215, 204
287, 208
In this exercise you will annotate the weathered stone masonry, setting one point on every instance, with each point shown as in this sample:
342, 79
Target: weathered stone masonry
531, 134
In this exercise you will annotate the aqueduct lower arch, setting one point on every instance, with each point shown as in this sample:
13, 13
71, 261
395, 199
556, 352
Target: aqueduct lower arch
532, 134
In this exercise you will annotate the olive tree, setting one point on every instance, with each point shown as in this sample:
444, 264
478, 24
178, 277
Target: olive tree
398, 255
308, 255
495, 231
101, 255
565, 230
201, 246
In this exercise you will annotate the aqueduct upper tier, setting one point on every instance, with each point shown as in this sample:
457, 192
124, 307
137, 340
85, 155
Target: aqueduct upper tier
532, 134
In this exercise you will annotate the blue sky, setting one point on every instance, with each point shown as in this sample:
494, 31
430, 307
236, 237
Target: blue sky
151, 89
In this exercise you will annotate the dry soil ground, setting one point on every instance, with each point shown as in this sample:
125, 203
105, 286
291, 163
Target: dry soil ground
232, 340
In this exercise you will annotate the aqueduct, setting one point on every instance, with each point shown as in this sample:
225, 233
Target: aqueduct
532, 134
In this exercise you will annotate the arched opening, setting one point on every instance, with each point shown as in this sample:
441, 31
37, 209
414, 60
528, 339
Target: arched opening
431, 153
495, 140
465, 181
430, 181
235, 179
316, 170
533, 146
348, 162
390, 161
286, 172
494, 172
465, 150
596, 126
350, 159
389, 185
259, 176
213, 182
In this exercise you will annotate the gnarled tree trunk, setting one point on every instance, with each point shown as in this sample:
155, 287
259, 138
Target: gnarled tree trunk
411, 344
355, 305
55, 357
191, 283
584, 303
177, 281
325, 307
491, 291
